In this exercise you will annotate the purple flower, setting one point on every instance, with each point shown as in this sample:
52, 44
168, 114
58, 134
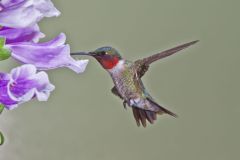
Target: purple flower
8, 3
24, 13
28, 34
19, 20
22, 85
46, 55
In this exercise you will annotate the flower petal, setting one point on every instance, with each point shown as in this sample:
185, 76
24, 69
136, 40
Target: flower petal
44, 88
8, 3
23, 84
4, 97
4, 79
20, 73
57, 41
26, 13
78, 66
28, 34
48, 55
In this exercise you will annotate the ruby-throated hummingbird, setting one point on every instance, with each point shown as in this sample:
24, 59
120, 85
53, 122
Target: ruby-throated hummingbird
128, 85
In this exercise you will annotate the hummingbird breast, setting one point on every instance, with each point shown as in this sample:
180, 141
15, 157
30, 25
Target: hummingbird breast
126, 80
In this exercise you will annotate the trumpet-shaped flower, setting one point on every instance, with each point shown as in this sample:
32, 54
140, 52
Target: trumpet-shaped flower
23, 84
21, 33
25, 13
47, 55
28, 34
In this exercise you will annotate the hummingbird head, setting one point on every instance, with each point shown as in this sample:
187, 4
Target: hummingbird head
108, 57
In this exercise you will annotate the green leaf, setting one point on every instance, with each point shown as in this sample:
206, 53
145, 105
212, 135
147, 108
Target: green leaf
4, 54
1, 138
2, 42
1, 108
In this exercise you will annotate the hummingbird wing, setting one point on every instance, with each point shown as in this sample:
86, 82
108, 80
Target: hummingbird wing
142, 65
115, 92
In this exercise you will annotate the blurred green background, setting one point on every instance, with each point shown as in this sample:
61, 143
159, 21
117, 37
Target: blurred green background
83, 120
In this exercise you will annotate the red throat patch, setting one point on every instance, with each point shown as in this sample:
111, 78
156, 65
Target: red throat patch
109, 63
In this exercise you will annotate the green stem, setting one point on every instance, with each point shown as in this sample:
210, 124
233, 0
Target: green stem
1, 138
1, 135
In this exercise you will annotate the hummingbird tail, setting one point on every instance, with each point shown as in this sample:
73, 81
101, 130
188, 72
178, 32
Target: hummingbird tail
142, 116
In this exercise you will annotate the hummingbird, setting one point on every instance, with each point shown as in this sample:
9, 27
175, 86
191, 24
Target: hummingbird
128, 86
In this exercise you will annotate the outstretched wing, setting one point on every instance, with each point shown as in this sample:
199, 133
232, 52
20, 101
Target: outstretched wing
142, 65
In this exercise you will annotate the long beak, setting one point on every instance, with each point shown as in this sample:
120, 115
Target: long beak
83, 53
